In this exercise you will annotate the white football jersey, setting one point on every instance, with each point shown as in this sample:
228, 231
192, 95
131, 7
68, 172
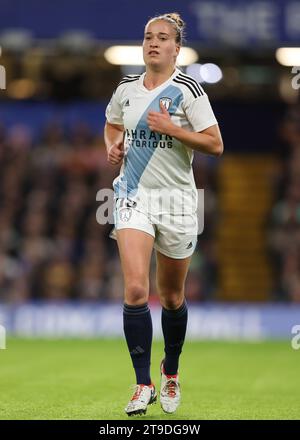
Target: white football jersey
153, 160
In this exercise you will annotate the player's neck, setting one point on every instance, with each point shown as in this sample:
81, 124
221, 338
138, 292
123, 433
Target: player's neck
154, 78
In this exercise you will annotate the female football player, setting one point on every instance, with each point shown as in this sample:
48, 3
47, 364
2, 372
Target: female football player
154, 123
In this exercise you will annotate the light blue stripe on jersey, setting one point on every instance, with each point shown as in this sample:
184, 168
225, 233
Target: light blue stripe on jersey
138, 157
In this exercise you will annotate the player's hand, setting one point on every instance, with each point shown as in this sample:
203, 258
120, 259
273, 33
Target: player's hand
160, 121
115, 153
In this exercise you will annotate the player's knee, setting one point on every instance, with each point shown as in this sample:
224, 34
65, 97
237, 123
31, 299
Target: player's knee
171, 300
136, 294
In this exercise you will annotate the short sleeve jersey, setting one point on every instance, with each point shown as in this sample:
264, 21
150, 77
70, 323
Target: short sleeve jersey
153, 160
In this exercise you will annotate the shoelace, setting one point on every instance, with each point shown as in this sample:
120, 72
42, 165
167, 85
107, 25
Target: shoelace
138, 391
170, 387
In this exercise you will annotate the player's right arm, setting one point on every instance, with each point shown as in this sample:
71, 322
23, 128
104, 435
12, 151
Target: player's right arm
114, 129
113, 138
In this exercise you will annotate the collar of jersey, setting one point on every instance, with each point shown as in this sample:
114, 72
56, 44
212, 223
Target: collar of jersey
141, 86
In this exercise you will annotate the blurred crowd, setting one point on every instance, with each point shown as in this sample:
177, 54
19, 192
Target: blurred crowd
51, 246
284, 237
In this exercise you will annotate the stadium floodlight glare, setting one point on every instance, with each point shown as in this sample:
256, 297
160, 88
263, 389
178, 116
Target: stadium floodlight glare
133, 56
16, 40
194, 71
211, 73
76, 41
288, 56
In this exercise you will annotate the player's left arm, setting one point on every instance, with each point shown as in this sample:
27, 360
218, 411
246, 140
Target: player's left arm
207, 141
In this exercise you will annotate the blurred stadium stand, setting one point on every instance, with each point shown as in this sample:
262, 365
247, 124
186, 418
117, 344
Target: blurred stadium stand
53, 159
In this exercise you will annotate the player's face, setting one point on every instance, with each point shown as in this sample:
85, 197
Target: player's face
159, 46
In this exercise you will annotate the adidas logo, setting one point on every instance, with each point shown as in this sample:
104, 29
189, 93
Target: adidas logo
137, 350
127, 103
189, 245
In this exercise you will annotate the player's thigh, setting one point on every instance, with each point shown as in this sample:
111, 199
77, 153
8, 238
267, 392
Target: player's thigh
135, 249
171, 274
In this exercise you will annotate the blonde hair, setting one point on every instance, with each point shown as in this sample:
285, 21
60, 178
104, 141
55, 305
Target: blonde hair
176, 21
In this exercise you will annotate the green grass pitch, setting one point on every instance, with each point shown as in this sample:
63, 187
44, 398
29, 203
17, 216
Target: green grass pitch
90, 379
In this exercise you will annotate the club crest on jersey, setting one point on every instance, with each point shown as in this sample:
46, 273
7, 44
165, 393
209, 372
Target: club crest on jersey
125, 214
166, 102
